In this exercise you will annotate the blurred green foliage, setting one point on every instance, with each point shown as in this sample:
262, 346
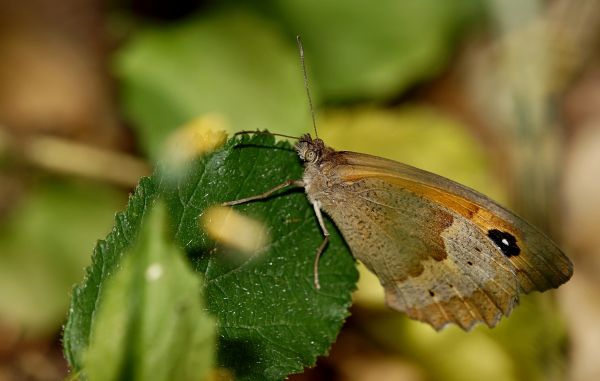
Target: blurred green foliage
232, 64
45, 245
242, 62
373, 51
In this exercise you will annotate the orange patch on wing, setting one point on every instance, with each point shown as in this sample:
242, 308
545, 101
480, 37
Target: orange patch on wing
483, 218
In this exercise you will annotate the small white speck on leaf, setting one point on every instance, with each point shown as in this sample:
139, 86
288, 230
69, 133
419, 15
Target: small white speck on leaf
154, 272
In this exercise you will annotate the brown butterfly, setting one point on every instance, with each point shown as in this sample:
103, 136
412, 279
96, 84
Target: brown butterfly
443, 252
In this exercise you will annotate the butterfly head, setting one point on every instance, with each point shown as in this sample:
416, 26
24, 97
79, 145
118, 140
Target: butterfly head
310, 150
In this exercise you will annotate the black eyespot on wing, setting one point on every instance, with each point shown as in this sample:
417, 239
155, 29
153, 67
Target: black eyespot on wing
505, 241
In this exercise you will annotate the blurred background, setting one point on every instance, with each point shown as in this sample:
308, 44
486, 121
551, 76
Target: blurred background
501, 95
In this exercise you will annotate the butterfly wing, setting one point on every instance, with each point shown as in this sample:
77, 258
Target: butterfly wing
443, 252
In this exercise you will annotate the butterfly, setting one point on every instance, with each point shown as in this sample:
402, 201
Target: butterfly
443, 252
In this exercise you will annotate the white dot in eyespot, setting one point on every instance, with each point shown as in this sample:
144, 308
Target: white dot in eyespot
505, 242
154, 272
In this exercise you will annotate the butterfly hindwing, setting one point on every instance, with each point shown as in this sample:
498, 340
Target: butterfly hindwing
429, 263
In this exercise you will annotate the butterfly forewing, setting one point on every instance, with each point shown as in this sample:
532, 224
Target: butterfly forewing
539, 263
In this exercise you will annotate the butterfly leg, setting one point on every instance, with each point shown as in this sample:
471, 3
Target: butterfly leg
317, 208
262, 196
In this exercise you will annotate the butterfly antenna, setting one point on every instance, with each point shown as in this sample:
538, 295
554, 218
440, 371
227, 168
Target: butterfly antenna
310, 104
245, 132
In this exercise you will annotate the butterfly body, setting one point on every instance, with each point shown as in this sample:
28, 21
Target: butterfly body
444, 253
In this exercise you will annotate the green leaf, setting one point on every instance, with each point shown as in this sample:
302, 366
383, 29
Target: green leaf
271, 320
151, 323
234, 65
358, 50
105, 261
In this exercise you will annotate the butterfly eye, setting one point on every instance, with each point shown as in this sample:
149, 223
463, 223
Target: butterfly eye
310, 156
